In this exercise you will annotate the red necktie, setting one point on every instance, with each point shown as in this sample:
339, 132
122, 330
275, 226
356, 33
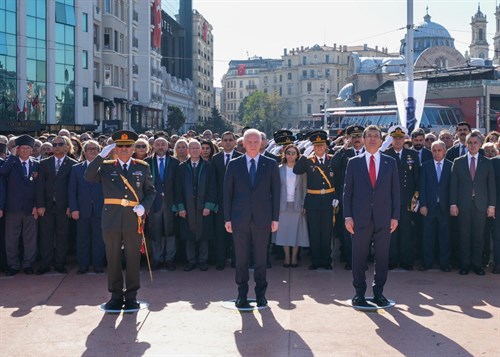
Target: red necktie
472, 167
373, 172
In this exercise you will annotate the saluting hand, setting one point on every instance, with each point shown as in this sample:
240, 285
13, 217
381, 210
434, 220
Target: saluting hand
107, 150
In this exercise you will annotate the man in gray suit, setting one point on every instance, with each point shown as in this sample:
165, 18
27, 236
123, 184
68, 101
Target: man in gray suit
472, 199
251, 210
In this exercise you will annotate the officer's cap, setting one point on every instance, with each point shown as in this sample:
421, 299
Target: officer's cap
25, 140
355, 130
398, 131
124, 137
318, 137
284, 139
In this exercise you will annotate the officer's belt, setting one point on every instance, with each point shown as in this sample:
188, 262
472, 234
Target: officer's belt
321, 192
122, 202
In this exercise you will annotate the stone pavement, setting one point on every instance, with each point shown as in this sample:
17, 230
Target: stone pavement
437, 314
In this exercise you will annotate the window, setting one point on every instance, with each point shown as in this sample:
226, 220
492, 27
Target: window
281, 78
309, 108
327, 59
97, 75
107, 74
309, 86
122, 77
107, 6
241, 84
289, 63
85, 27
85, 97
96, 36
85, 59
115, 38
311, 73
289, 90
304, 60
116, 79
107, 37
281, 92
121, 43
304, 73
289, 75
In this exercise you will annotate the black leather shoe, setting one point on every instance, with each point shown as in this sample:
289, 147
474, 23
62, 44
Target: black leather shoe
28, 271
296, 265
170, 266
313, 267
203, 266
219, 267
242, 303
423, 268
392, 266
98, 270
479, 271
381, 301
190, 267
496, 270
12, 272
359, 300
285, 265
348, 266
445, 269
261, 301
114, 304
81, 271
328, 267
42, 271
269, 265
407, 267
61, 270
131, 304
463, 271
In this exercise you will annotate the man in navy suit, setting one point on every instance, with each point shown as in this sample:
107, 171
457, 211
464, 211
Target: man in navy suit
85, 203
496, 231
20, 172
251, 210
434, 207
371, 210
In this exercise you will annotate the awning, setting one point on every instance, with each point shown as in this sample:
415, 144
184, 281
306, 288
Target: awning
120, 100
98, 98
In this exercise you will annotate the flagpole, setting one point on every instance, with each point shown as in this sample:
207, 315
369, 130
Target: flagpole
409, 53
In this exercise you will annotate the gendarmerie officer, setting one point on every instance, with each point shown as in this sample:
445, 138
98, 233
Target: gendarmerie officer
129, 192
319, 199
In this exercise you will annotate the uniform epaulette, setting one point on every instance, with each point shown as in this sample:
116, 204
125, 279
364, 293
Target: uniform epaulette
109, 162
311, 156
141, 162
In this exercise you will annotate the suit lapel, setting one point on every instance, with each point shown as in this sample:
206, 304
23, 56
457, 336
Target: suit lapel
243, 167
261, 166
364, 169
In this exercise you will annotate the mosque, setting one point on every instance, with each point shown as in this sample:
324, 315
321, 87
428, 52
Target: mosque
468, 82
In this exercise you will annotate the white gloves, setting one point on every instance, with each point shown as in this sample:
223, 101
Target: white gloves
308, 151
335, 203
107, 149
139, 210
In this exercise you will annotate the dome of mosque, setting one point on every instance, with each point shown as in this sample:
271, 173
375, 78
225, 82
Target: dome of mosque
428, 34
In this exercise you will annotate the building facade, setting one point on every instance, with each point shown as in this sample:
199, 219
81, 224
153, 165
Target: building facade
479, 46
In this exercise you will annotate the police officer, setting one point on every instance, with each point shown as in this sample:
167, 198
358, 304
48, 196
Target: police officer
129, 192
401, 250
319, 198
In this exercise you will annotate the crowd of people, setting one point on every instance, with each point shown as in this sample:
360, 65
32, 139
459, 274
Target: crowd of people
448, 194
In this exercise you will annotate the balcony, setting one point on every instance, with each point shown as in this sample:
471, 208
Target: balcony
251, 86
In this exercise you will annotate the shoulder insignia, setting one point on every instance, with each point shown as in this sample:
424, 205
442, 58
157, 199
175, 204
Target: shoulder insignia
142, 162
109, 162
311, 157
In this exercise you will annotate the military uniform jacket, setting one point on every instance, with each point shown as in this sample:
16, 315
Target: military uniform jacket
409, 171
319, 177
340, 159
116, 217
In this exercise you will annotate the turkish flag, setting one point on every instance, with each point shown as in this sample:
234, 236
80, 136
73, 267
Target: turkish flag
157, 24
241, 69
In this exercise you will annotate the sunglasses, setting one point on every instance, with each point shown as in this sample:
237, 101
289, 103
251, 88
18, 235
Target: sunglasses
58, 144
140, 146
291, 153
123, 145
429, 140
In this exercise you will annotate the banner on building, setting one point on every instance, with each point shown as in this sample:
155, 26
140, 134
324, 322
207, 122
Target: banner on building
157, 24
241, 69
410, 106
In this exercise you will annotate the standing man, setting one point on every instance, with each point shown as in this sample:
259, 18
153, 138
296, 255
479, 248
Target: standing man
251, 210
408, 164
371, 210
220, 162
463, 129
17, 201
128, 193
434, 207
53, 207
418, 144
161, 218
85, 203
472, 199
319, 199
496, 231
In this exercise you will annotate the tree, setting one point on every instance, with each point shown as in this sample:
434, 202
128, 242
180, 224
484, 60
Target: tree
215, 123
263, 112
176, 119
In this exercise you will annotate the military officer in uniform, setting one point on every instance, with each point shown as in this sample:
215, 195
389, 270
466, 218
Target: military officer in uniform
129, 192
319, 199
401, 250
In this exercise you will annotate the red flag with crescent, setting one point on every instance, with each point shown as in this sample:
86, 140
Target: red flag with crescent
157, 24
241, 69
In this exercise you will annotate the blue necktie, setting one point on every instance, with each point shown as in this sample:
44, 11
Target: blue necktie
162, 167
25, 169
253, 171
438, 171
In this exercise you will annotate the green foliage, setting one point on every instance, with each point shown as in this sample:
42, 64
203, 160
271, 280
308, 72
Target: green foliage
215, 123
176, 119
262, 111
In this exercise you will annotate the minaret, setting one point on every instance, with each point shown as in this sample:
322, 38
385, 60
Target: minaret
496, 38
479, 46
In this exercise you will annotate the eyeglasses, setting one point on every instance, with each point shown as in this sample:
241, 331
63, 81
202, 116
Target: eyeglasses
123, 145
291, 153
140, 146
430, 139
58, 144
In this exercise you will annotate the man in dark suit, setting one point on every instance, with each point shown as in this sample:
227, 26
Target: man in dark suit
401, 251
460, 149
128, 193
53, 208
496, 231
434, 206
418, 144
251, 210
353, 146
161, 218
220, 162
85, 204
472, 199
19, 174
371, 210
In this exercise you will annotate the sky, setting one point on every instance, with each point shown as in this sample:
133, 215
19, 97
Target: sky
246, 28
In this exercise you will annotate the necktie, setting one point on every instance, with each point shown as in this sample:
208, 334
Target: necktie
125, 171
462, 152
162, 167
438, 171
58, 165
321, 161
357, 152
373, 171
194, 165
253, 171
25, 169
472, 167
228, 157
